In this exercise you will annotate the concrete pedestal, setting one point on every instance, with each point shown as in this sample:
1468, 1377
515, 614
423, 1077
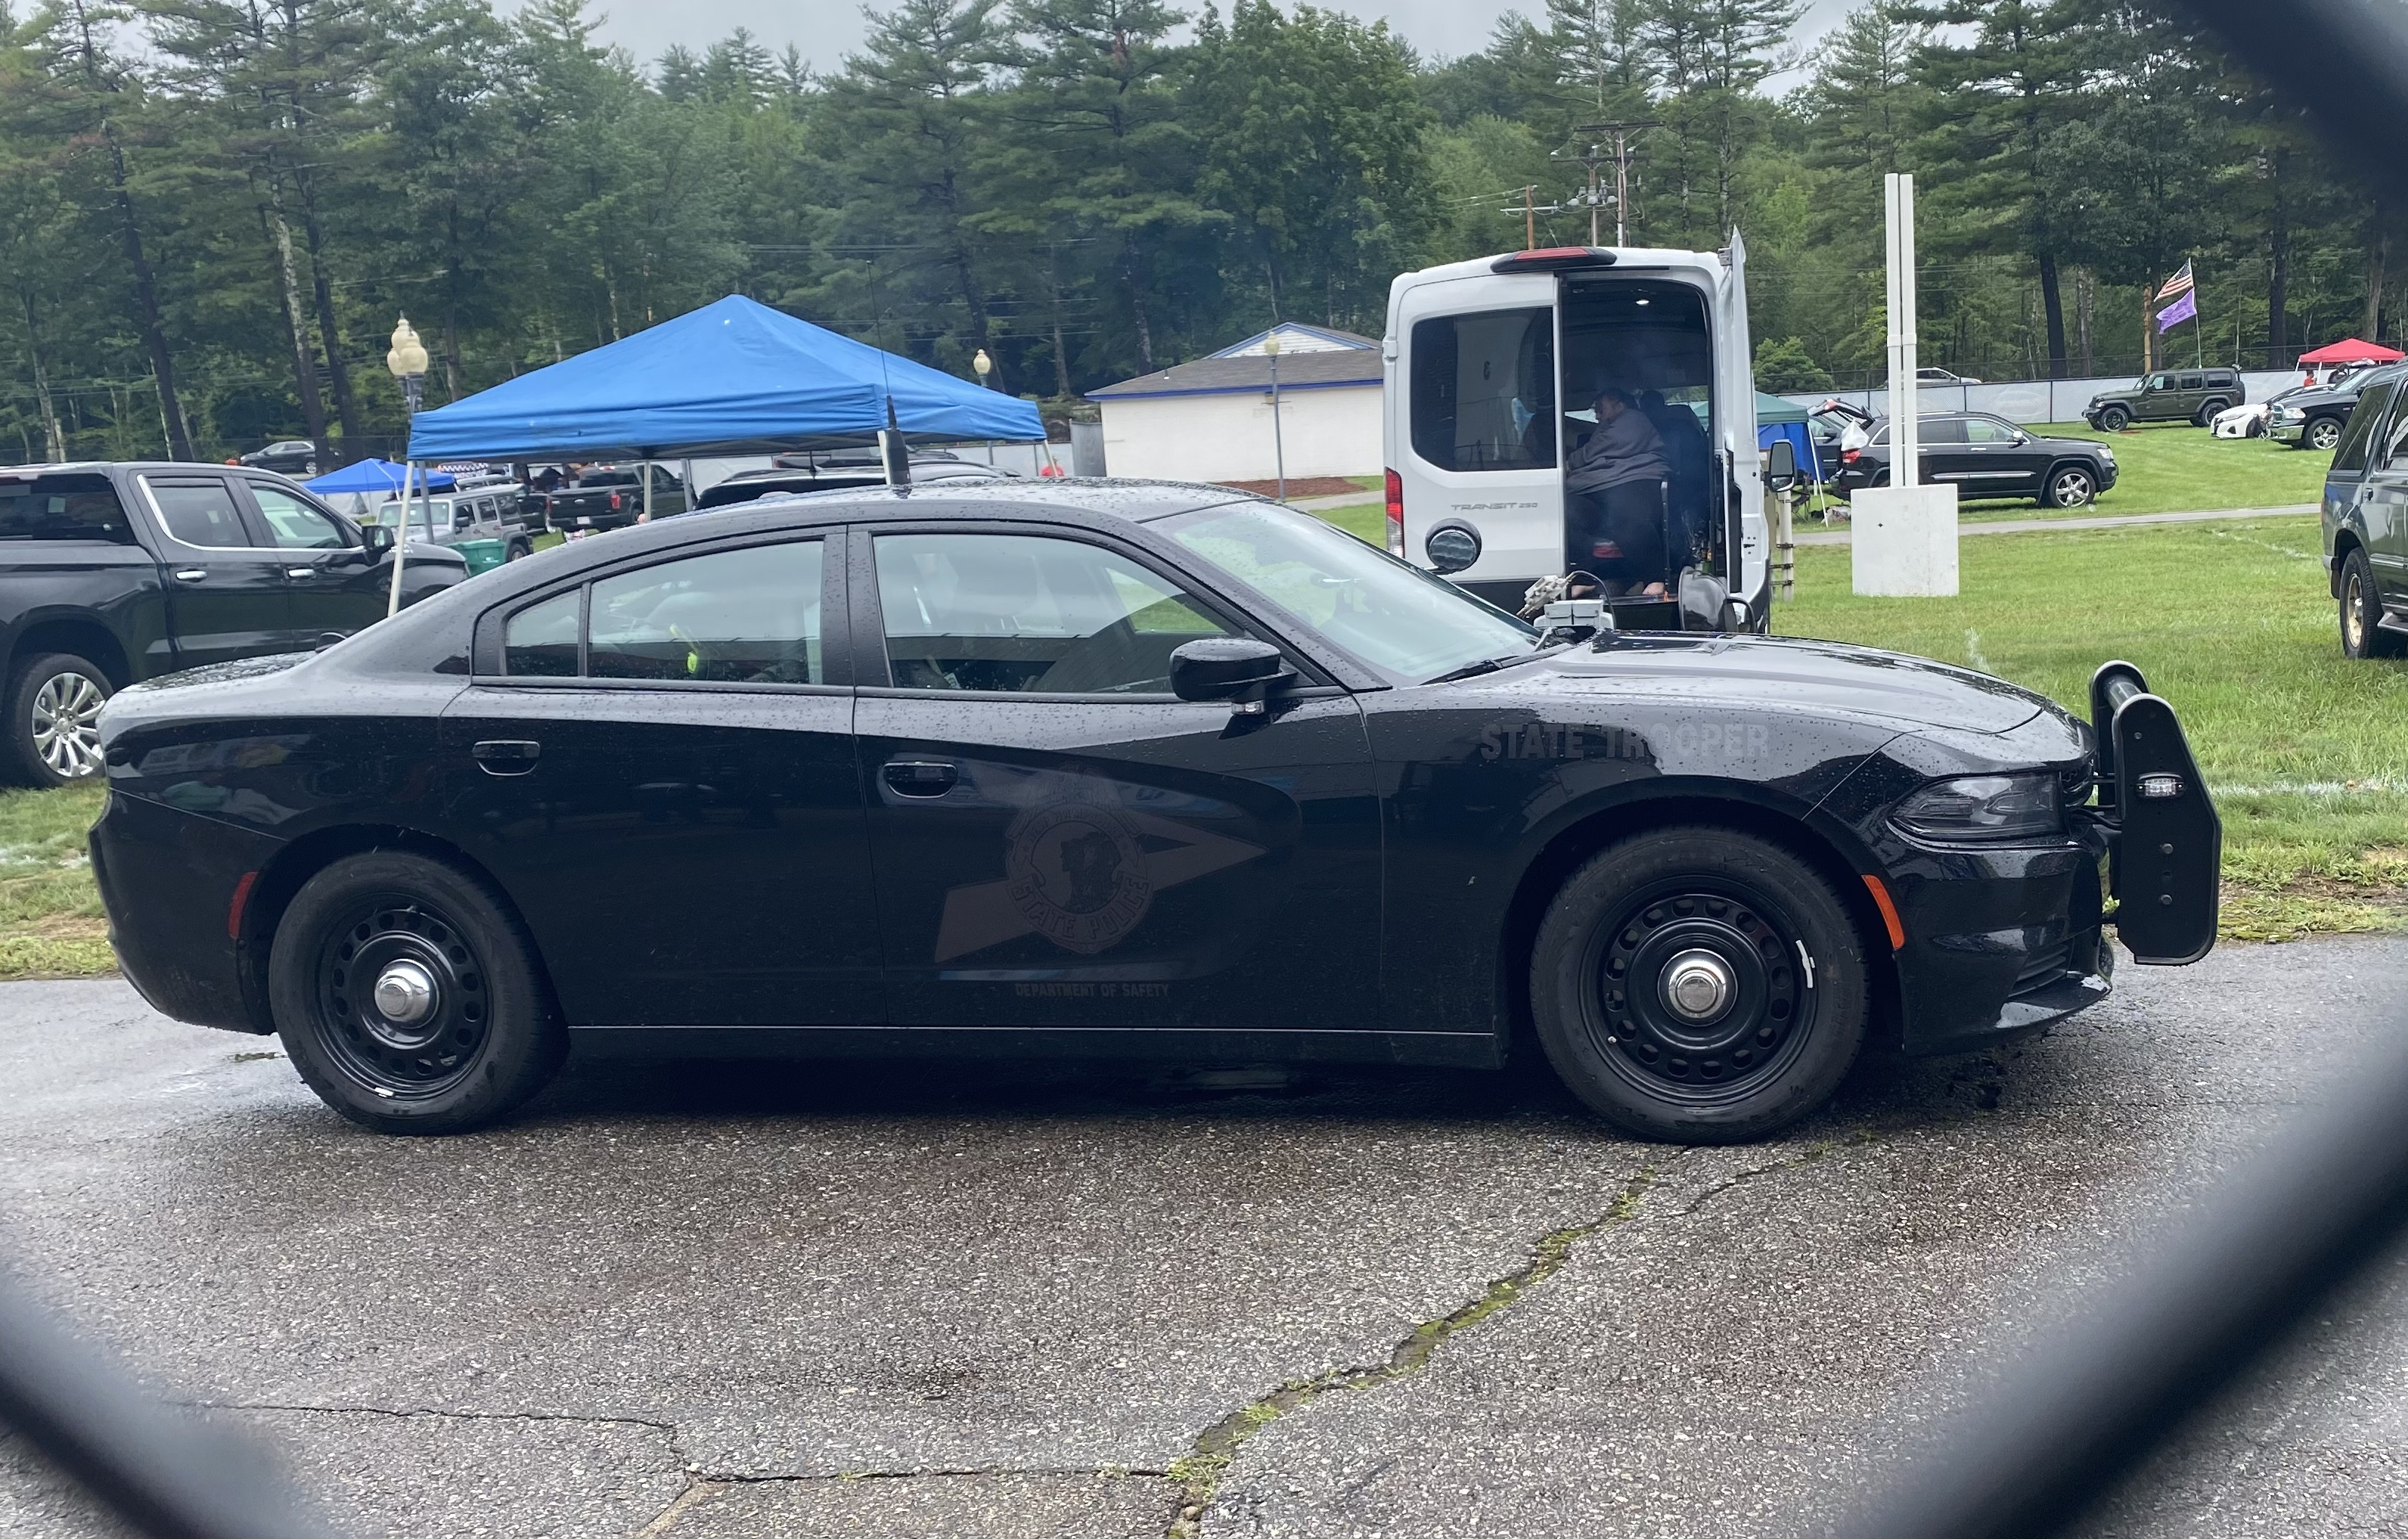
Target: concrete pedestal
1903, 539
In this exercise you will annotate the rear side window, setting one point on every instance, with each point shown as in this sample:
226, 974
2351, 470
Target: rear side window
200, 513
540, 640
1937, 430
1483, 390
2192, 381
2351, 452
742, 616
80, 508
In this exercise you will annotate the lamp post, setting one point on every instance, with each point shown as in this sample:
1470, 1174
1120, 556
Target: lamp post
407, 359
1278, 443
985, 366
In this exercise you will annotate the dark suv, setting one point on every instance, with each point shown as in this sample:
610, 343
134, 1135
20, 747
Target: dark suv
2181, 395
1987, 457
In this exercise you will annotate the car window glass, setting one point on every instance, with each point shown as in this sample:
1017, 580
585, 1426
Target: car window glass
80, 508
2395, 444
1942, 430
2192, 381
743, 616
1983, 430
200, 513
1483, 390
1029, 612
1880, 435
540, 640
2161, 382
2350, 454
292, 524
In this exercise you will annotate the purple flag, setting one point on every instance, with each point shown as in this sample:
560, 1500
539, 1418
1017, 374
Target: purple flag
2183, 309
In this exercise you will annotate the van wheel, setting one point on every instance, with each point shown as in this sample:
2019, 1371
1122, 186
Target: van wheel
2323, 434
2114, 420
1697, 986
54, 704
406, 994
2361, 613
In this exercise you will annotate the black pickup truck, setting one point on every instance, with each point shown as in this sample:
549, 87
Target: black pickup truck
612, 497
117, 572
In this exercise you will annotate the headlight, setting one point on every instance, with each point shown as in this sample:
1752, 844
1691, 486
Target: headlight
1984, 809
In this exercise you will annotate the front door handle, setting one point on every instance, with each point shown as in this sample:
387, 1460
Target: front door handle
300, 574
506, 755
193, 574
921, 777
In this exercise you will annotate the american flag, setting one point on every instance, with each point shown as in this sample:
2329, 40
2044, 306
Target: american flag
2176, 286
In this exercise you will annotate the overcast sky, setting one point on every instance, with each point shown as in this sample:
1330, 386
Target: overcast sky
826, 30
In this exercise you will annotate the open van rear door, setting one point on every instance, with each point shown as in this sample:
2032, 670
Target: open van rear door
1746, 532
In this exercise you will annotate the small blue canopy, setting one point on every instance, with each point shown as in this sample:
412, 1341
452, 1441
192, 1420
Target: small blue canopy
371, 476
732, 377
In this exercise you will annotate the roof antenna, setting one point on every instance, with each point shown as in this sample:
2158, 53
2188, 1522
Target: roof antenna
896, 459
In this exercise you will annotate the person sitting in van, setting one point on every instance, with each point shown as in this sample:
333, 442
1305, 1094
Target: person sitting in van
1691, 478
1616, 480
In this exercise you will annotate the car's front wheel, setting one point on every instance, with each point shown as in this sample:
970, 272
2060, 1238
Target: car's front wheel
2070, 486
2323, 434
406, 994
2361, 613
54, 704
1699, 985
518, 550
2114, 420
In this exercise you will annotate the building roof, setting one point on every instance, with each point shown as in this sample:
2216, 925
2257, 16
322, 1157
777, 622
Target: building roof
1334, 369
1295, 336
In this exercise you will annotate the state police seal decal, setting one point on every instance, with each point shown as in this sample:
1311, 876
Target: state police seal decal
1073, 868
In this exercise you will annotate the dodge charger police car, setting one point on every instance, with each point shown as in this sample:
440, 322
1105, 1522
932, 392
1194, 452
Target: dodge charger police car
1117, 768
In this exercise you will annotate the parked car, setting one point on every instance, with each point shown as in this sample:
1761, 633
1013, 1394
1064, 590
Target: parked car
2185, 394
114, 573
287, 456
1108, 768
2247, 421
2364, 518
1987, 457
1835, 427
480, 516
1941, 376
612, 497
2314, 418
832, 474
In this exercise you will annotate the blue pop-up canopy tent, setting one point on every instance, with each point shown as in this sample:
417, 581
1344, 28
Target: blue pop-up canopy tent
1778, 419
369, 477
735, 377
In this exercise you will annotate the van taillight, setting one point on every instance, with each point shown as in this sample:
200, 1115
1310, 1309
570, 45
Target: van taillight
1396, 515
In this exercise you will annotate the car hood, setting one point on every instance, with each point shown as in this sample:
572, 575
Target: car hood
1819, 679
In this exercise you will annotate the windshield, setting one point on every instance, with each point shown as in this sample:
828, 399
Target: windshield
1400, 619
424, 517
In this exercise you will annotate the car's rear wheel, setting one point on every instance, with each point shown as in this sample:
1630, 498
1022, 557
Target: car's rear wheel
2361, 613
2323, 434
2206, 417
2114, 420
519, 551
54, 704
406, 994
2070, 486
1699, 985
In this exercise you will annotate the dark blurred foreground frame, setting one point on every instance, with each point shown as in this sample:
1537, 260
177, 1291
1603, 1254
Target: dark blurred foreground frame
160, 1471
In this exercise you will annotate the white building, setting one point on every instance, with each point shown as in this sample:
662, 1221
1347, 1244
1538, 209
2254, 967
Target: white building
1210, 419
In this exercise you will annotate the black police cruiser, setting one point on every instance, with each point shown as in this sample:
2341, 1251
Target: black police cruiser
1116, 767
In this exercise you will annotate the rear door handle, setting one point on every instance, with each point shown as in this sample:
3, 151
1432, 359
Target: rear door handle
921, 777
506, 755
300, 573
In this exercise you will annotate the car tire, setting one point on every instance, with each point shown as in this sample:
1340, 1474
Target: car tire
2363, 635
2070, 486
519, 550
2114, 419
54, 702
2256, 429
373, 938
2322, 435
2206, 417
1730, 918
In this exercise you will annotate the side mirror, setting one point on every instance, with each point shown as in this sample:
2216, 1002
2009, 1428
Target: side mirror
1781, 464
1452, 548
379, 538
1237, 668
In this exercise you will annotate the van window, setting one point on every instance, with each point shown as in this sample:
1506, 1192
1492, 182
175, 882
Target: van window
2350, 454
80, 508
1483, 390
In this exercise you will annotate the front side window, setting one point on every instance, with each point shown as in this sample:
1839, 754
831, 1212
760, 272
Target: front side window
80, 508
1483, 390
2161, 381
1989, 430
292, 524
1031, 613
200, 513
2351, 452
1408, 624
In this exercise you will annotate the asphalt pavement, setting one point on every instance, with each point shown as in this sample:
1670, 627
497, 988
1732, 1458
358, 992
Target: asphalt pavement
874, 1302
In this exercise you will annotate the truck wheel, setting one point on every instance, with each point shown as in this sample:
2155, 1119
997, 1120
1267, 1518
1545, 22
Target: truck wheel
2070, 486
2322, 434
2206, 417
406, 994
54, 704
2361, 613
2114, 420
1699, 985
519, 551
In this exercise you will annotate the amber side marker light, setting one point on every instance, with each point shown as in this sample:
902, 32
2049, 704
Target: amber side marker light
1888, 913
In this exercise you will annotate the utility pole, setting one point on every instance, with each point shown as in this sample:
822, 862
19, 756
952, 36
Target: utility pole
1595, 157
1531, 208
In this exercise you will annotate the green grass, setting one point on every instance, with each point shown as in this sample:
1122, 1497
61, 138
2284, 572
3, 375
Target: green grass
51, 920
2232, 623
2178, 470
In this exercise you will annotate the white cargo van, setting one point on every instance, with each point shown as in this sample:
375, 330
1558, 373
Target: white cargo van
1491, 369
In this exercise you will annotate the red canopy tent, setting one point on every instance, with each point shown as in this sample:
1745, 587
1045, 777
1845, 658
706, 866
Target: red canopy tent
2352, 351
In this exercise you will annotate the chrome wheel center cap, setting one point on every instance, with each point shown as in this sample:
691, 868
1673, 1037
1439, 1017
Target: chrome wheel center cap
405, 992
1697, 986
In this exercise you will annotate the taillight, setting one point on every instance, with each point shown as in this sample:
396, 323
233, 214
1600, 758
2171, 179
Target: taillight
1396, 515
1849, 457
614, 502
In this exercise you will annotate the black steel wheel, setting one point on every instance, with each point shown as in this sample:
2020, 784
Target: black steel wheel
405, 993
2361, 611
2114, 420
2206, 417
1699, 985
2323, 434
